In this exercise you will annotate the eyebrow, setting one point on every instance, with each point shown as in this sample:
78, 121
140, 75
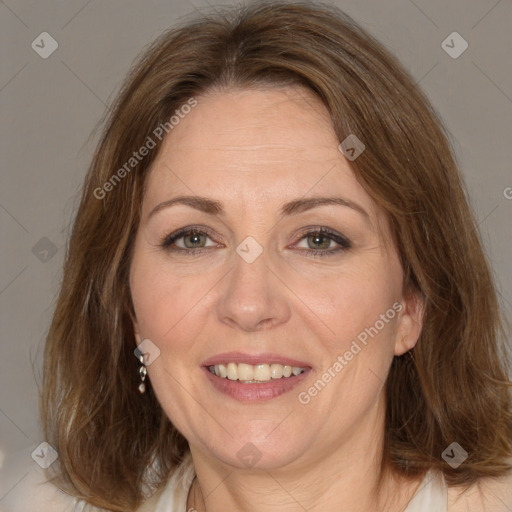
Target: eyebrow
213, 207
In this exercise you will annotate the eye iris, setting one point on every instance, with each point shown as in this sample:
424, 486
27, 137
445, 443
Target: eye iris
317, 239
196, 237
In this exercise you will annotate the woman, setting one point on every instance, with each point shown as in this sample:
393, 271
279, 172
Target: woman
275, 295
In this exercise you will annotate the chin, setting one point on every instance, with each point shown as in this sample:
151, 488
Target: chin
261, 449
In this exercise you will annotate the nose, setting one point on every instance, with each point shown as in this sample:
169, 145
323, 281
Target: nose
253, 297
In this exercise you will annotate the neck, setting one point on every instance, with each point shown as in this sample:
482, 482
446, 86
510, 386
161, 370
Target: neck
343, 477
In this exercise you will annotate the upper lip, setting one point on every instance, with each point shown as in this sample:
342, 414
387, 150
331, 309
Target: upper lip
263, 358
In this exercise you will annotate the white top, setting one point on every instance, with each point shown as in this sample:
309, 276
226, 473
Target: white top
24, 488
431, 495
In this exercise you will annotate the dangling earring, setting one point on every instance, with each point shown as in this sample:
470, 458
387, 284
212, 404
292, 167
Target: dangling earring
142, 372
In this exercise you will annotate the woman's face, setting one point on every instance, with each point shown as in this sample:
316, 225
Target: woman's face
264, 279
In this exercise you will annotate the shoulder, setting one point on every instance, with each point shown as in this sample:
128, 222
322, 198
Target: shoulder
487, 495
173, 494
24, 487
151, 504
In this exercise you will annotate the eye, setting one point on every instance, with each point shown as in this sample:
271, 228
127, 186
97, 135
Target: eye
319, 242
189, 239
193, 240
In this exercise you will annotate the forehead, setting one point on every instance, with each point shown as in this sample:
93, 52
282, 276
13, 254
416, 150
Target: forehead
245, 145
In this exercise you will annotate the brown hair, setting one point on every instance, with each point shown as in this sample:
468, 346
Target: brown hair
453, 386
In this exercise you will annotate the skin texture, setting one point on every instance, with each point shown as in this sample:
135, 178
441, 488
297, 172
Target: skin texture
254, 150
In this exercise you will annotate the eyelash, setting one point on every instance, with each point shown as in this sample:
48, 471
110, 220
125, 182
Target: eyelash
343, 242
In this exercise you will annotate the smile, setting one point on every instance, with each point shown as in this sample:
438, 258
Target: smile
250, 374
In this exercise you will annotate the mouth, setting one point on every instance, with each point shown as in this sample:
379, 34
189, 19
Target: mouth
253, 374
254, 378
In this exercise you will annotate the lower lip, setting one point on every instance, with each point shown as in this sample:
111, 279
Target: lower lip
255, 392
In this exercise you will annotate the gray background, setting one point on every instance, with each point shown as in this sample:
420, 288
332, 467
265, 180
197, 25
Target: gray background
49, 108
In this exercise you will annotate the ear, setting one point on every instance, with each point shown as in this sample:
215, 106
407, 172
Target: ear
410, 322
138, 337
136, 330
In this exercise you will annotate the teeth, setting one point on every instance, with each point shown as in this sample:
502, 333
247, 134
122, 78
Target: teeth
261, 373
254, 373
246, 372
276, 371
232, 371
221, 370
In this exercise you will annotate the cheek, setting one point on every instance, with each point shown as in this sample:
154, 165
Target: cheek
170, 313
354, 302
168, 307
355, 361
